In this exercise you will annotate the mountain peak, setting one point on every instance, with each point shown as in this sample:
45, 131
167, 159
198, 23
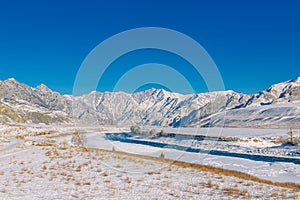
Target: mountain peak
12, 80
43, 87
296, 80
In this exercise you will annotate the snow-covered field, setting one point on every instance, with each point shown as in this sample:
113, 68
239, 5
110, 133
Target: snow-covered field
41, 163
265, 168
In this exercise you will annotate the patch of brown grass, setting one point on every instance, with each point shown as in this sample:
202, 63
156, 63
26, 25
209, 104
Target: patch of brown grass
232, 191
209, 184
128, 180
204, 168
20, 137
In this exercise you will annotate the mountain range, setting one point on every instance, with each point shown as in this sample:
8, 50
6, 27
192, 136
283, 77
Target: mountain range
279, 105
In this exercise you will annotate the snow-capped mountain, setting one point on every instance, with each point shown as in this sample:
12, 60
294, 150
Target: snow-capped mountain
21, 103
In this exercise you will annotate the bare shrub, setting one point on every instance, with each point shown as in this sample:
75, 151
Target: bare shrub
152, 132
136, 129
79, 139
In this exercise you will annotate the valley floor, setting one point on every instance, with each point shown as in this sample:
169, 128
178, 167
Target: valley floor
41, 163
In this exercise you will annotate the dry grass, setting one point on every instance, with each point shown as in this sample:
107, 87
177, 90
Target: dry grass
20, 137
99, 170
209, 184
79, 168
231, 191
66, 170
118, 166
128, 180
206, 168
105, 174
275, 195
150, 173
87, 183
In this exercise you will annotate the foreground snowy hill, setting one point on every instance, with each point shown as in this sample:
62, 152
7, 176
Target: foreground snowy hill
21, 103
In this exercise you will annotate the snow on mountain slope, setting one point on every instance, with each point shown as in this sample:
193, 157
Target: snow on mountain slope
279, 115
21, 103
288, 91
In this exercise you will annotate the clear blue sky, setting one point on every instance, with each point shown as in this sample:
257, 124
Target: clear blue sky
254, 43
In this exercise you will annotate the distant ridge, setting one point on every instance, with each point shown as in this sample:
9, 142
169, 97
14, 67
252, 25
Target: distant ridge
157, 107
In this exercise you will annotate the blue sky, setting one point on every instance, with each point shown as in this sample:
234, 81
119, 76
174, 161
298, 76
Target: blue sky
253, 43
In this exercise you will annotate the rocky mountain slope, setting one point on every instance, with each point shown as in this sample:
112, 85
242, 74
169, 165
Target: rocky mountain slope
21, 103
